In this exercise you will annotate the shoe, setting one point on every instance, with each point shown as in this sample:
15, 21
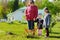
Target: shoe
39, 32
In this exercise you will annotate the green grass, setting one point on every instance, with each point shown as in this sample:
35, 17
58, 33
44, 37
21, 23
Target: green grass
18, 29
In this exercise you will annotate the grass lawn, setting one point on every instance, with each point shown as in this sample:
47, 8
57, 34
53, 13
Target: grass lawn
18, 29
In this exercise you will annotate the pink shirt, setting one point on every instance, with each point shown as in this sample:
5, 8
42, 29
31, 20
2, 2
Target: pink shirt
31, 12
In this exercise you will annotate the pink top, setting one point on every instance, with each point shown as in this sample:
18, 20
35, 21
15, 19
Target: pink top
31, 12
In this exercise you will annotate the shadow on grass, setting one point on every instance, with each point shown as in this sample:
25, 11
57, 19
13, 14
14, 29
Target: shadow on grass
55, 32
54, 37
33, 37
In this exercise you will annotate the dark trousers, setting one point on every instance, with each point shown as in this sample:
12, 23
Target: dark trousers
47, 31
31, 25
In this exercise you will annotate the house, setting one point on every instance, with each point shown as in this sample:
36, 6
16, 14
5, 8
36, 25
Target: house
16, 15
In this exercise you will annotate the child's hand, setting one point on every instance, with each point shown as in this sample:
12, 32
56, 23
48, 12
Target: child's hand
34, 19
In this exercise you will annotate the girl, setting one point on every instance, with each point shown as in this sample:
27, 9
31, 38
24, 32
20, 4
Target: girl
47, 17
39, 21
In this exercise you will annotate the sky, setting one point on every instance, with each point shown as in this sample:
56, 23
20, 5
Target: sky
34, 0
51, 0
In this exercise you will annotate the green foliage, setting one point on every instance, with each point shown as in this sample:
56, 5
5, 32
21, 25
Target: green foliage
57, 4
51, 7
38, 4
10, 5
21, 4
54, 7
15, 5
1, 8
4, 11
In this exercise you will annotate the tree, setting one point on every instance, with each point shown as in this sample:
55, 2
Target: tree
54, 8
4, 7
39, 3
16, 5
57, 4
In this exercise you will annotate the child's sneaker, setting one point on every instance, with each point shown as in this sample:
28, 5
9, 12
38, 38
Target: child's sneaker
39, 32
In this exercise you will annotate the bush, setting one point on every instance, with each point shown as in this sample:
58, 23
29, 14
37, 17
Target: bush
21, 4
10, 5
1, 8
54, 7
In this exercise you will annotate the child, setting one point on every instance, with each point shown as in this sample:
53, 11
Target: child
47, 17
39, 21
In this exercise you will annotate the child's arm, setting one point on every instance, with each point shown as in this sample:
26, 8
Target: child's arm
36, 20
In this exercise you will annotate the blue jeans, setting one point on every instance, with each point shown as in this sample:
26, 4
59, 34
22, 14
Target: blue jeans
31, 25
